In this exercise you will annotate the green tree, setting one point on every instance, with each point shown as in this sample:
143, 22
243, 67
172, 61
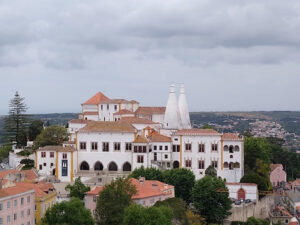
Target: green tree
113, 200
207, 126
70, 212
29, 164
15, 124
35, 128
178, 208
78, 189
149, 173
183, 181
255, 221
214, 206
262, 182
194, 219
4, 152
53, 135
211, 171
138, 215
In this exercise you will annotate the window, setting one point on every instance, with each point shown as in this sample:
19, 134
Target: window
214, 147
116, 107
188, 147
41, 166
51, 164
201, 148
101, 107
94, 198
8, 219
28, 223
15, 202
94, 146
1, 221
231, 149
214, 163
160, 147
166, 147
151, 200
188, 163
107, 106
43, 154
231, 156
44, 164
22, 214
155, 147
128, 146
226, 148
22, 201
144, 149
15, 216
201, 164
1, 206
65, 155
117, 146
105, 147
175, 139
51, 154
236, 148
82, 145
8, 204
28, 212
166, 156
176, 148
140, 159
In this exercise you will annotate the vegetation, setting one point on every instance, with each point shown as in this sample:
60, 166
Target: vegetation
183, 181
35, 129
70, 212
212, 205
138, 215
211, 171
78, 189
53, 135
149, 173
4, 152
16, 122
25, 152
113, 200
29, 164
194, 219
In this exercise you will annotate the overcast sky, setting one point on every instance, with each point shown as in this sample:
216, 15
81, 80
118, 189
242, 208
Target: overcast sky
231, 55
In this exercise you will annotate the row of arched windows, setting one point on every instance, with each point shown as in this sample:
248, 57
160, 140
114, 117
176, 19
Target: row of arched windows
231, 165
112, 166
231, 148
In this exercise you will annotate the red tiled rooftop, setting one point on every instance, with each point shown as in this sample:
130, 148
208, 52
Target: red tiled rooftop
230, 136
136, 120
123, 111
95, 190
78, 121
96, 99
108, 126
29, 174
5, 192
41, 189
274, 166
57, 148
156, 137
148, 111
195, 131
140, 139
90, 113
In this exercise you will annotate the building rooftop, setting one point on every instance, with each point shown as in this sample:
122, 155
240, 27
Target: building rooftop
123, 111
148, 110
274, 166
136, 120
96, 99
30, 175
231, 136
156, 137
108, 126
79, 121
140, 139
196, 132
57, 148
41, 189
9, 191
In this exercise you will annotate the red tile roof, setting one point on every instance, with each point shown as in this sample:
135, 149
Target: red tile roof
274, 166
123, 111
96, 99
140, 139
136, 120
108, 126
231, 136
78, 121
195, 131
95, 190
148, 111
5, 192
156, 137
41, 189
90, 113
29, 174
117, 101
57, 148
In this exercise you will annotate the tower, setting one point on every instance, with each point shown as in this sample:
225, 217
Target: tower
183, 109
172, 117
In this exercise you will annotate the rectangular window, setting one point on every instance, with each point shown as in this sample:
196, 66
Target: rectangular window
22, 214
176, 148
107, 107
117, 146
94, 146
188, 163
65, 155
144, 149
140, 159
51, 164
51, 154
135, 149
15, 216
166, 156
166, 147
155, 147
128, 146
214, 147
43, 154
188, 147
40, 166
201, 148
82, 145
8, 204
44, 164
64, 168
22, 201
1, 206
105, 147
15, 202
8, 219
28, 212
94, 198
214, 163
101, 107
28, 199
116, 107
201, 164
160, 147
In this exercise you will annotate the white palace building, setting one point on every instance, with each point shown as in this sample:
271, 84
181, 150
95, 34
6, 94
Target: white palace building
120, 135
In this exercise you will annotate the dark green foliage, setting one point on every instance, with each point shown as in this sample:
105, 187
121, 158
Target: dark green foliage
4, 152
53, 135
70, 212
16, 122
237, 223
78, 189
212, 205
25, 152
113, 200
35, 128
183, 181
138, 215
254, 221
178, 208
29, 164
211, 171
149, 173
262, 183
206, 126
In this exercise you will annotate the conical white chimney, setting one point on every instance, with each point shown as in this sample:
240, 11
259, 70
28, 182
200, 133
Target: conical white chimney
183, 109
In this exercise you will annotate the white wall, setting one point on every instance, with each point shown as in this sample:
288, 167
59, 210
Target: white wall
251, 191
46, 170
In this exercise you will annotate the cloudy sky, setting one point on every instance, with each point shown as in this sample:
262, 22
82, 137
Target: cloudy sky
231, 55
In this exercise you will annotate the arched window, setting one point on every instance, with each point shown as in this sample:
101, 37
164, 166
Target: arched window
231, 149
98, 166
225, 164
226, 148
236, 148
127, 166
175, 164
231, 166
236, 165
84, 166
241, 194
112, 166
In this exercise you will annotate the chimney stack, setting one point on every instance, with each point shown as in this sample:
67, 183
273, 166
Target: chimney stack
183, 109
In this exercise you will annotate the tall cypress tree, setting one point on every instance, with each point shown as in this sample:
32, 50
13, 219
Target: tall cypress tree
16, 122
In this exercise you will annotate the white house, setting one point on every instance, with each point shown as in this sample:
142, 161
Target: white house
243, 191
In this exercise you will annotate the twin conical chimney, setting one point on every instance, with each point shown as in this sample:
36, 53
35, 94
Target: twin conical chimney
183, 109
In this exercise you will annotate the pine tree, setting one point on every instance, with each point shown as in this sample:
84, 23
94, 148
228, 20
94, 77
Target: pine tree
16, 121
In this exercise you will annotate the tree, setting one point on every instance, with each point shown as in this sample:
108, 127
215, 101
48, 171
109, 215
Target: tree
35, 128
149, 173
4, 152
53, 135
214, 206
262, 182
78, 189
255, 221
15, 123
70, 212
138, 215
194, 219
207, 126
211, 171
29, 164
183, 181
113, 200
